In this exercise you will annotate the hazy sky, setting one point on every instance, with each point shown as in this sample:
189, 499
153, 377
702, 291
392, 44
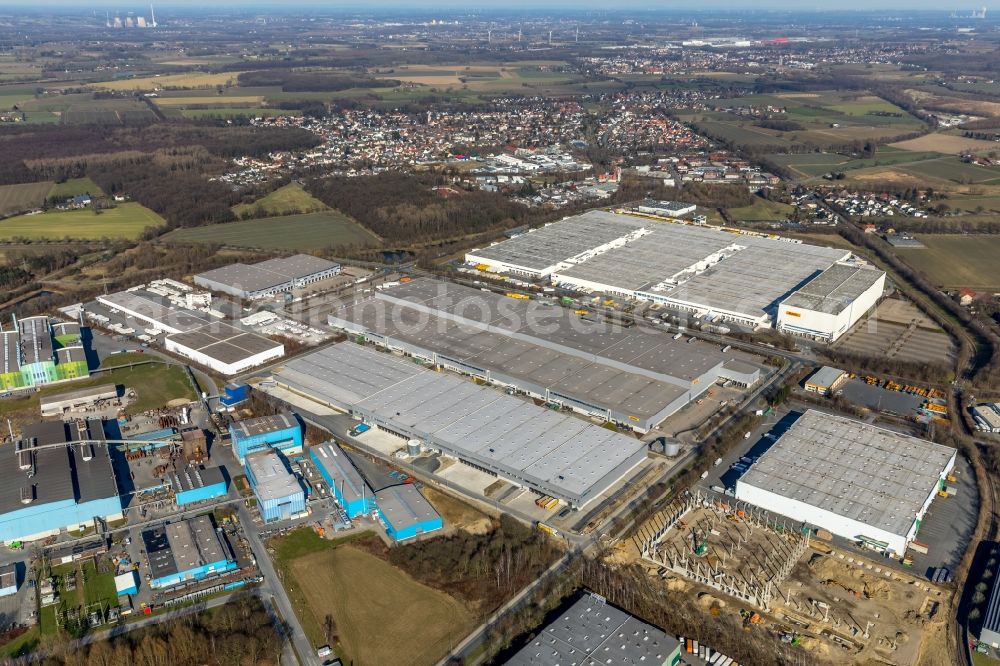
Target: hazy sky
431, 5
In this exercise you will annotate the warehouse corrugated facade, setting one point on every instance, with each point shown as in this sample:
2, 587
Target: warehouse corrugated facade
279, 494
406, 513
50, 489
197, 484
351, 490
279, 431
187, 550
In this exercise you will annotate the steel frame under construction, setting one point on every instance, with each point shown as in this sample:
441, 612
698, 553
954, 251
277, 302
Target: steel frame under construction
759, 573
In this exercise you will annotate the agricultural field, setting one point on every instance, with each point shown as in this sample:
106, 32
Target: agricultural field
14, 95
362, 591
828, 118
22, 197
127, 220
230, 112
285, 200
187, 80
945, 143
482, 78
75, 186
813, 165
943, 173
762, 210
957, 260
291, 232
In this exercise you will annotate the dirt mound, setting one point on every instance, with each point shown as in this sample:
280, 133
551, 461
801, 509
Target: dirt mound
852, 579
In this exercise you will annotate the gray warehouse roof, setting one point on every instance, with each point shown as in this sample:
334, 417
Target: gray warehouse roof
342, 471
403, 506
191, 478
632, 372
704, 266
516, 438
825, 376
834, 289
223, 342
555, 243
154, 308
60, 473
264, 424
273, 480
592, 633
267, 274
874, 476
183, 546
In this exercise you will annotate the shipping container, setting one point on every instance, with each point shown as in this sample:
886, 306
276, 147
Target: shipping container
918, 547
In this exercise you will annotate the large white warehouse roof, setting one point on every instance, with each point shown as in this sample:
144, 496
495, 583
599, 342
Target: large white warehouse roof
560, 455
852, 469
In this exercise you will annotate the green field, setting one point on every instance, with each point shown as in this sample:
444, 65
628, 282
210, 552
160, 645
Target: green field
810, 165
127, 220
954, 260
155, 385
829, 118
286, 200
762, 210
291, 232
23, 196
953, 169
360, 591
74, 186
92, 588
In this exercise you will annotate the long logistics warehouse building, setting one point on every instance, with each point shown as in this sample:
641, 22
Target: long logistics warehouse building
721, 273
628, 376
552, 453
858, 481
267, 278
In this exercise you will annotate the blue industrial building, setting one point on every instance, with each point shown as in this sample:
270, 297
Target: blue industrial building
406, 513
279, 431
234, 394
188, 550
348, 486
197, 484
280, 496
45, 490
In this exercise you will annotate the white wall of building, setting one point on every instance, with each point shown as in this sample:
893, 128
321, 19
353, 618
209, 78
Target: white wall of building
802, 321
839, 525
226, 368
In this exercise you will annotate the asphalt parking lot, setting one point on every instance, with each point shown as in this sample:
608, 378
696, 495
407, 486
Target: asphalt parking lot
879, 399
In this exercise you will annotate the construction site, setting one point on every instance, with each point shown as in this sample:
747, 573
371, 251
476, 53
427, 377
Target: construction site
786, 579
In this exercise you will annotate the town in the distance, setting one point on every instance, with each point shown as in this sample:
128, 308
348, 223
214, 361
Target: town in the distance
529, 335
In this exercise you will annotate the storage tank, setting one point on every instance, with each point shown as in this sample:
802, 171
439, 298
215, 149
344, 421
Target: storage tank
413, 447
671, 449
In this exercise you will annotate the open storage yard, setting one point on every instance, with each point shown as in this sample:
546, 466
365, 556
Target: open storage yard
290, 232
898, 330
957, 260
127, 220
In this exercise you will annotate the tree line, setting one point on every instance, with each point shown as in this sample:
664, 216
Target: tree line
240, 632
405, 209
